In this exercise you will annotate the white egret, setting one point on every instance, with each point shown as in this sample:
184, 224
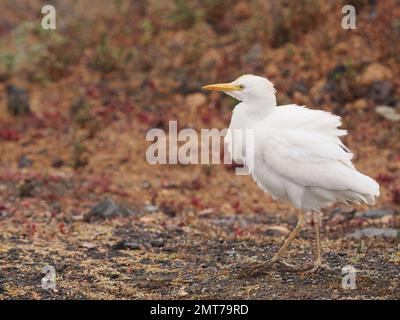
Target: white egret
298, 156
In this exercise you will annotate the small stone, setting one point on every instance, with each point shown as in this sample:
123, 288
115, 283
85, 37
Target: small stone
108, 209
195, 100
57, 163
341, 48
298, 86
359, 104
24, 162
169, 210
17, 100
126, 245
382, 93
157, 243
132, 245
277, 230
151, 208
375, 72
182, 292
125, 211
389, 113
104, 209
3, 211
88, 245
375, 232
146, 185
377, 213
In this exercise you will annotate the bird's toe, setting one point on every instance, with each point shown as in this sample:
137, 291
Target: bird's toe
256, 269
318, 265
292, 268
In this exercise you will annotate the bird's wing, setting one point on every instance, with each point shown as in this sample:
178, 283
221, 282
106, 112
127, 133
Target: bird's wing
308, 159
304, 147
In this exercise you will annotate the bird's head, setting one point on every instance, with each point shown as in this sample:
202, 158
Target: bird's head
247, 88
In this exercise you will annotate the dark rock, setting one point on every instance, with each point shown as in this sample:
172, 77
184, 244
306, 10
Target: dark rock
158, 243
285, 72
298, 86
375, 232
125, 211
26, 188
126, 245
57, 163
14, 253
337, 72
377, 213
107, 209
382, 92
169, 210
17, 100
340, 86
76, 106
104, 209
24, 162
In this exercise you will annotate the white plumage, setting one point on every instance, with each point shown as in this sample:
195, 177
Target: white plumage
298, 157
298, 154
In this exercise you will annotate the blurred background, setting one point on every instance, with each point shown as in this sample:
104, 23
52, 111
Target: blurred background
76, 103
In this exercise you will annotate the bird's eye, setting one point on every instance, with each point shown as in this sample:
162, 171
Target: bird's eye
241, 86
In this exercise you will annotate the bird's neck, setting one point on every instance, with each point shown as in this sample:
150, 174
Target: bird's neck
259, 108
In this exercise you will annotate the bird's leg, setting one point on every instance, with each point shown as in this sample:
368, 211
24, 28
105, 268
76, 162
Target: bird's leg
293, 268
318, 264
262, 267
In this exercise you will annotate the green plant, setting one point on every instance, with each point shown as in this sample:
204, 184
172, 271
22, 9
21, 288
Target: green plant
108, 59
78, 155
7, 65
182, 16
294, 19
148, 31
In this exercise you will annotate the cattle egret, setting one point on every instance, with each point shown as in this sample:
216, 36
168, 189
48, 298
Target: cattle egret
297, 157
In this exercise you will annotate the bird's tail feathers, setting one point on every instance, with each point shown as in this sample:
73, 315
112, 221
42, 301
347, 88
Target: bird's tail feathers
365, 188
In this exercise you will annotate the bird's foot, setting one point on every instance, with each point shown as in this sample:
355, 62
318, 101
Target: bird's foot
319, 265
261, 268
256, 269
292, 268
